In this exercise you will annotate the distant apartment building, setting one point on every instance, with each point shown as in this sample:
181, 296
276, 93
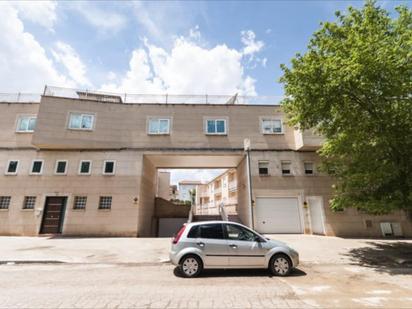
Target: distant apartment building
222, 190
81, 163
187, 188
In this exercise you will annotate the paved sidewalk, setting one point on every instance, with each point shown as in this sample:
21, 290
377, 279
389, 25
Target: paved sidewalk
312, 249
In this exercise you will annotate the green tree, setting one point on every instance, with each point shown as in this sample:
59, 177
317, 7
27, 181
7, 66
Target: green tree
353, 85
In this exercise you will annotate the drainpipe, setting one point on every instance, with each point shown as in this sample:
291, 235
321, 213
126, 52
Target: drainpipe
249, 185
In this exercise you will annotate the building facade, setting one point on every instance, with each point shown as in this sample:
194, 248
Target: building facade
222, 190
87, 165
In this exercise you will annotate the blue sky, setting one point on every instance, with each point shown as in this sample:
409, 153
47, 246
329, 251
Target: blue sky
215, 47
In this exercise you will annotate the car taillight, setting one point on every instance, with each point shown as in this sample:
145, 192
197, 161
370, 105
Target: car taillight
179, 234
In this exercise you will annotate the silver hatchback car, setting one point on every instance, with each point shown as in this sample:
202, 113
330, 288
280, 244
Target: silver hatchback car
225, 244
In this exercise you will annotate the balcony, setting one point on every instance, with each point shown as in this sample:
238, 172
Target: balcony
232, 186
308, 140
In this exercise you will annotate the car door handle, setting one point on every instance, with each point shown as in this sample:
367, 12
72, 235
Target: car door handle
233, 246
200, 244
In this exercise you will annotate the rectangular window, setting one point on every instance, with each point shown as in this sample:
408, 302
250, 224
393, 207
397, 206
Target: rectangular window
211, 231
271, 126
29, 202
263, 168
61, 167
12, 167
80, 121
80, 202
36, 167
286, 168
159, 126
5, 202
26, 124
109, 167
308, 168
85, 167
105, 202
216, 126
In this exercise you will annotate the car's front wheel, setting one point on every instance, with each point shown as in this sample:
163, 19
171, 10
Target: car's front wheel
280, 265
190, 266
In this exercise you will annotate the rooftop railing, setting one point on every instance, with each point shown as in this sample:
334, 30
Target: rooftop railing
130, 98
20, 97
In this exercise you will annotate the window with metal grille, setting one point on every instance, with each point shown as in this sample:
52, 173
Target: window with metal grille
80, 202
5, 202
263, 168
105, 202
29, 202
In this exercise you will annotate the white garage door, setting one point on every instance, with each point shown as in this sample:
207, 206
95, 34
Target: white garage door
168, 227
277, 215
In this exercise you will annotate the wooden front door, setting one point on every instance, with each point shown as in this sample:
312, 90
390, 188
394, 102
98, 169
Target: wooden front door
53, 215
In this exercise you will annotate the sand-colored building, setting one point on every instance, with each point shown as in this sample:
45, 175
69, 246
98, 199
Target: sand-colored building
81, 163
221, 190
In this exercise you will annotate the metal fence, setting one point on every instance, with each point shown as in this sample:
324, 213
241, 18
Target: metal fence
138, 98
20, 97
129, 98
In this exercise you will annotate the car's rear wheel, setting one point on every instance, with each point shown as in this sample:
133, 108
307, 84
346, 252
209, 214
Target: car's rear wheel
190, 266
280, 265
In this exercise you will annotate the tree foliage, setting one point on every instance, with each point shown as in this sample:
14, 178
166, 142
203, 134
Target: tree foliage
353, 85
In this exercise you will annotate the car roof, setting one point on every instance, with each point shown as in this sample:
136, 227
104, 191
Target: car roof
212, 222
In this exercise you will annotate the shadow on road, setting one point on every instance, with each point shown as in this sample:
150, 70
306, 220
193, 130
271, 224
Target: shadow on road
239, 273
392, 258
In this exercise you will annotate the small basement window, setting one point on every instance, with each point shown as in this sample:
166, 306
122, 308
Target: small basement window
263, 168
105, 202
286, 168
80, 202
29, 202
308, 168
5, 202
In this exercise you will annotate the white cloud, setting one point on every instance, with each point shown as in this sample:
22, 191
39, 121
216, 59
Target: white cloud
68, 57
252, 46
23, 61
186, 69
39, 12
203, 175
103, 20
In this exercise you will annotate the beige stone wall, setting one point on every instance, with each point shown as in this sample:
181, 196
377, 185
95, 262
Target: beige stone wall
146, 226
121, 220
243, 205
350, 223
163, 185
125, 125
9, 114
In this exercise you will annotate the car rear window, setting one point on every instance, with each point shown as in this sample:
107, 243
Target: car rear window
194, 232
211, 231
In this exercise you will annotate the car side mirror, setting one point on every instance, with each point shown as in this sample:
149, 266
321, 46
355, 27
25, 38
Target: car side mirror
259, 239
